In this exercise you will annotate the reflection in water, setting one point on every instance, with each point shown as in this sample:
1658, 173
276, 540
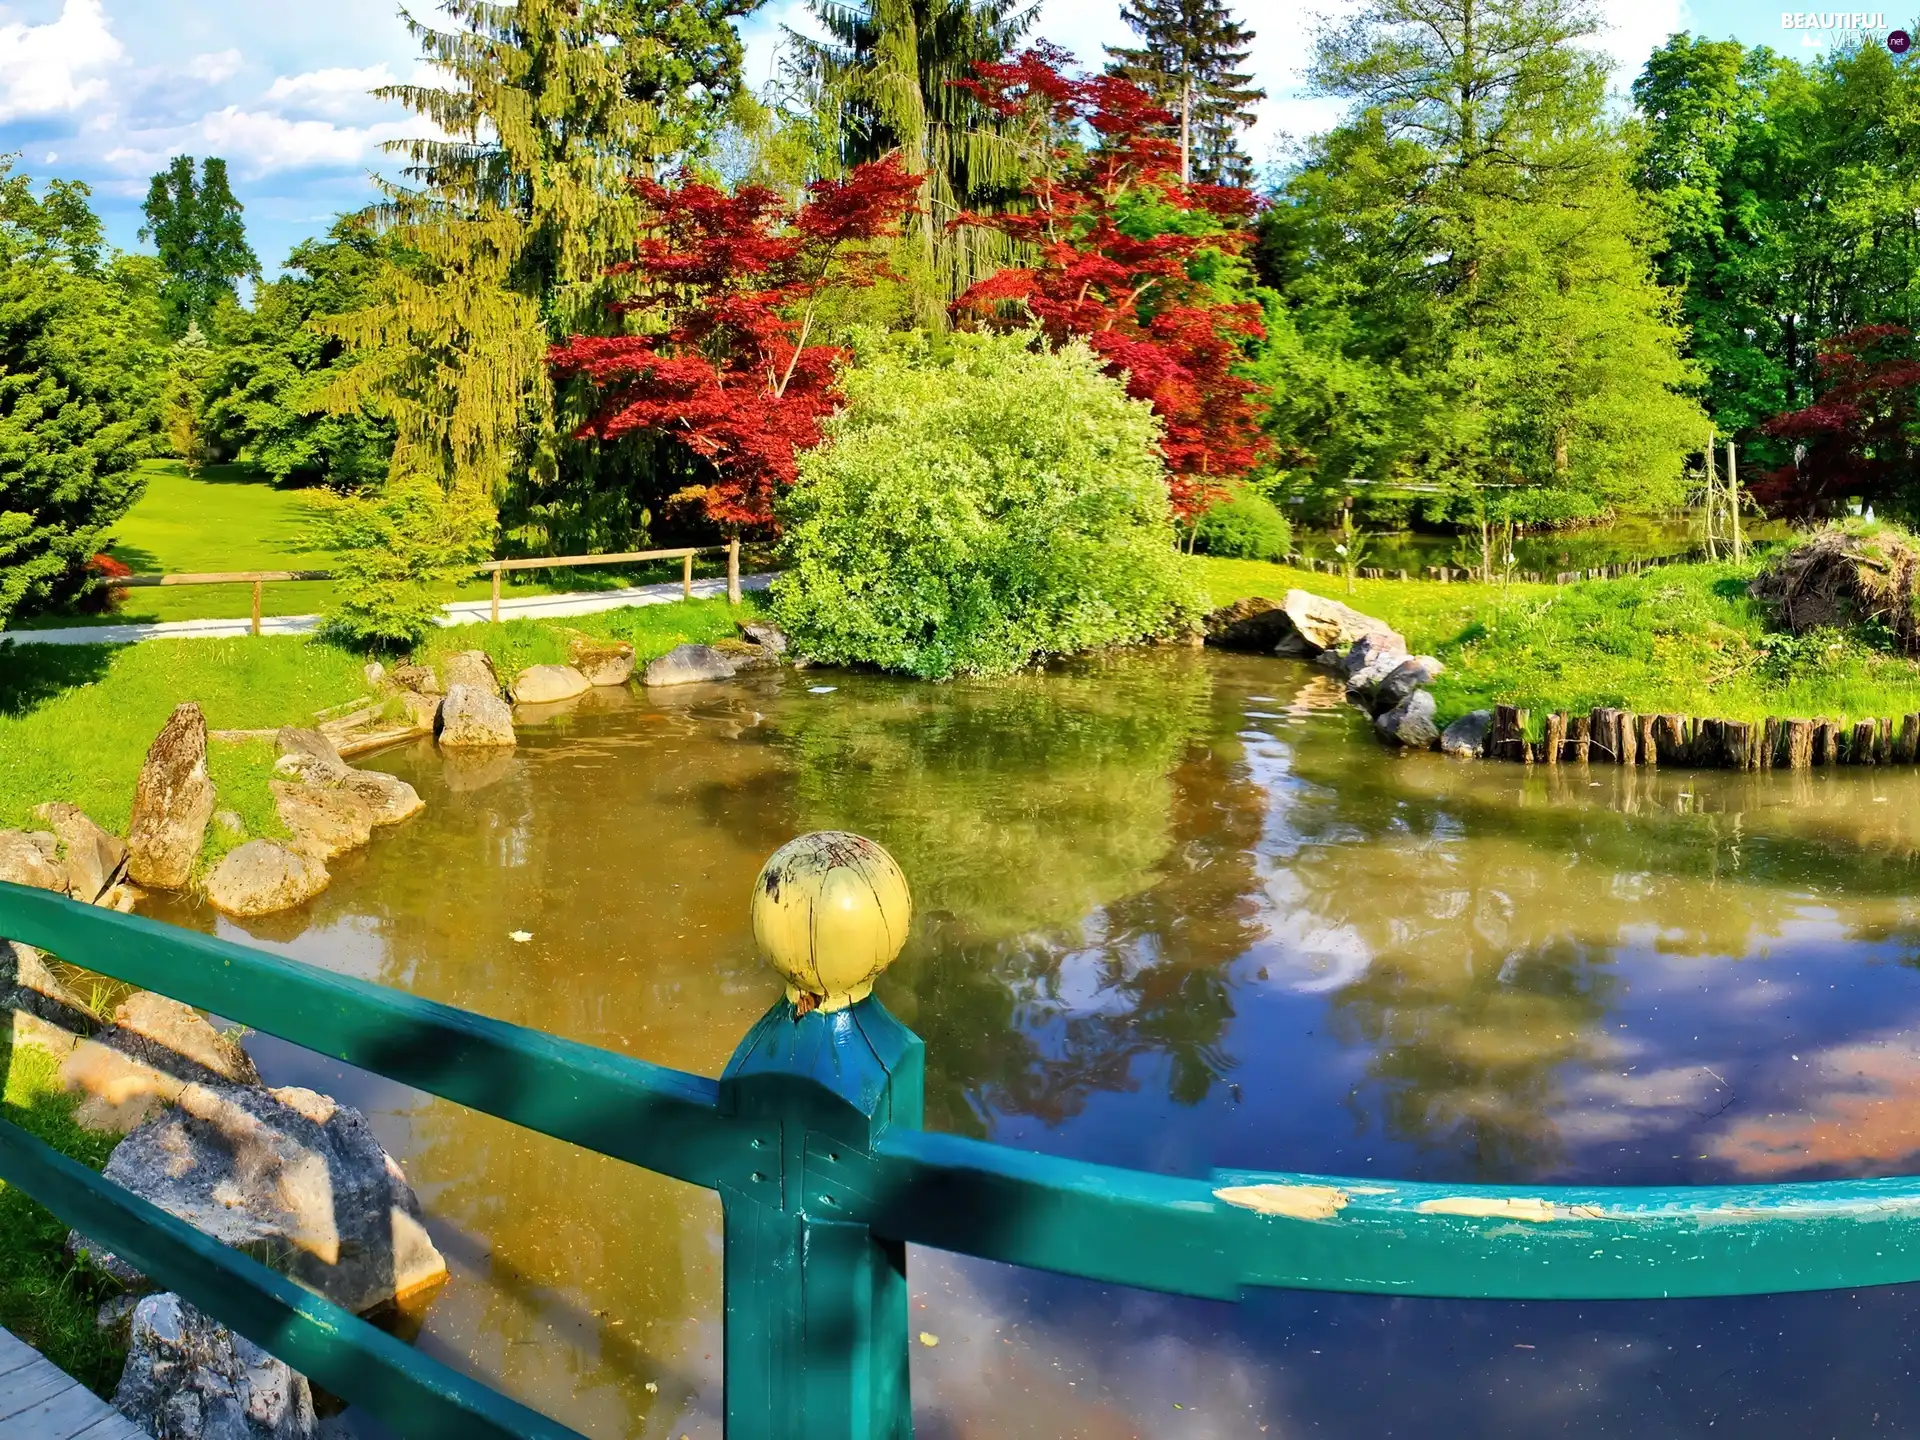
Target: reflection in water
1175, 911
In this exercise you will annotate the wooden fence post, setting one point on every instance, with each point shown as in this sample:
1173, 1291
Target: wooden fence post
496, 596
1556, 741
686, 577
1510, 735
816, 1304
256, 607
733, 571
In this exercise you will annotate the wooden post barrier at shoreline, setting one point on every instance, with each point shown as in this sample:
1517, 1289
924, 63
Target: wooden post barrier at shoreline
1610, 736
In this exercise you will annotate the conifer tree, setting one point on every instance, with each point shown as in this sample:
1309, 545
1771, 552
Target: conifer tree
1191, 60
194, 222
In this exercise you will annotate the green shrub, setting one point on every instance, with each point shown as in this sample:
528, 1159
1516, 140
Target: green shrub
398, 548
974, 511
1245, 526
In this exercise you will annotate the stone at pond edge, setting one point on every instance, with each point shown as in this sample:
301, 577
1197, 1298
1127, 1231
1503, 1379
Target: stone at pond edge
764, 633
93, 859
602, 662
154, 1048
264, 876
548, 684
35, 1005
1410, 675
32, 858
1322, 625
172, 803
1369, 660
1255, 623
1466, 738
1410, 723
743, 655
188, 1377
420, 679
325, 823
290, 1174
472, 668
688, 665
474, 719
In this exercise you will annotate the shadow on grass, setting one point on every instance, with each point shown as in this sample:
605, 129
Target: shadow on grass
31, 675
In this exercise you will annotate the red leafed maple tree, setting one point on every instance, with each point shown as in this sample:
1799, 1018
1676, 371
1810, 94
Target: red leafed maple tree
728, 287
1137, 297
1861, 438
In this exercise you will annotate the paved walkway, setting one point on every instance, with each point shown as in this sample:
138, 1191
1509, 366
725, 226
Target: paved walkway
461, 612
40, 1401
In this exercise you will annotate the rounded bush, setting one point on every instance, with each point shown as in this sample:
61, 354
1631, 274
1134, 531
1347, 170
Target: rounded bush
1245, 526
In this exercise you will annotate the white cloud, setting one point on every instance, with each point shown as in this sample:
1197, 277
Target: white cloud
55, 68
335, 92
258, 142
1635, 29
215, 66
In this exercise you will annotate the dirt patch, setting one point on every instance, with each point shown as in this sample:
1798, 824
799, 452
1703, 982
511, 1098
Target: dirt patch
1845, 576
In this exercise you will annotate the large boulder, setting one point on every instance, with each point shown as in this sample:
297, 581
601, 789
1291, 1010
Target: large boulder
420, 679
93, 860
187, 1377
474, 718
172, 803
325, 823
1372, 658
262, 877
1415, 673
389, 798
473, 668
151, 1051
1255, 623
689, 665
1319, 625
602, 662
548, 684
1410, 723
764, 633
32, 858
1466, 738
35, 1006
286, 1174
309, 755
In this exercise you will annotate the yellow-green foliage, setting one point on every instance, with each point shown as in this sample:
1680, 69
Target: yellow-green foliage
976, 510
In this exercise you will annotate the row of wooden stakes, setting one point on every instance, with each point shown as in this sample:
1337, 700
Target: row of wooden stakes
1619, 737
1449, 573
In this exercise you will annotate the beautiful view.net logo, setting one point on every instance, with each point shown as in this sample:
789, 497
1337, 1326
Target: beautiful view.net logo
1898, 41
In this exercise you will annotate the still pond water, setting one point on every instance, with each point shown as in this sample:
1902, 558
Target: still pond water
1176, 910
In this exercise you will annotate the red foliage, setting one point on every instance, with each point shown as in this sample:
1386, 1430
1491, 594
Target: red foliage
729, 285
1858, 440
107, 597
1134, 299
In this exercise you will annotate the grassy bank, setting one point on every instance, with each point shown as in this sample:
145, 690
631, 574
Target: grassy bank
75, 721
44, 1298
1686, 639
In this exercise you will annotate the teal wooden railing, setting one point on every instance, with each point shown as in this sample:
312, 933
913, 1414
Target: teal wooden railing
812, 1138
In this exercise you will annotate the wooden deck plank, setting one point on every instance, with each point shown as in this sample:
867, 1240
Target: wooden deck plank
39, 1401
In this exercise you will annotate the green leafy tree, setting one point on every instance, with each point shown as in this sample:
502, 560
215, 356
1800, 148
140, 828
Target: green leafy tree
194, 222
1191, 58
890, 68
79, 357
500, 237
974, 512
1469, 299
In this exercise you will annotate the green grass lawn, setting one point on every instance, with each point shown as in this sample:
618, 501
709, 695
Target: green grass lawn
1685, 639
44, 1298
230, 517
76, 720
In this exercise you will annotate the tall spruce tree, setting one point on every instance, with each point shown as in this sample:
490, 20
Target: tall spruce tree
1191, 60
500, 235
890, 68
194, 222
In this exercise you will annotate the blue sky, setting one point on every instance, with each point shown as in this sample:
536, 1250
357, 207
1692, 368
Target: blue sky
106, 90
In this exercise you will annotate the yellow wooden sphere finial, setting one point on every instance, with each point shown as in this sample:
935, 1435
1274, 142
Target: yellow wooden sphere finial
830, 912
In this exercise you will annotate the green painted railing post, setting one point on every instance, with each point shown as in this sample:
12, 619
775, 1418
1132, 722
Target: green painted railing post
816, 1303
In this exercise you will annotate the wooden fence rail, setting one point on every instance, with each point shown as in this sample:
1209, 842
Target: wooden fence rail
1607, 736
496, 568
1453, 573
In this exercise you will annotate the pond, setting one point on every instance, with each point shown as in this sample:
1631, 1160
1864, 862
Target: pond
1176, 910
1547, 552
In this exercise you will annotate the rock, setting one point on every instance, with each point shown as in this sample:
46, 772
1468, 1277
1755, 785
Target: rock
325, 823
764, 633
603, 662
474, 719
290, 1174
115, 1317
1323, 625
32, 858
35, 1006
264, 876
423, 711
1466, 738
1408, 676
376, 674
546, 684
420, 679
1372, 658
1410, 723
472, 668
1255, 623
189, 1378
228, 822
152, 1051
745, 656
123, 897
92, 858
688, 665
388, 797
172, 803
309, 754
